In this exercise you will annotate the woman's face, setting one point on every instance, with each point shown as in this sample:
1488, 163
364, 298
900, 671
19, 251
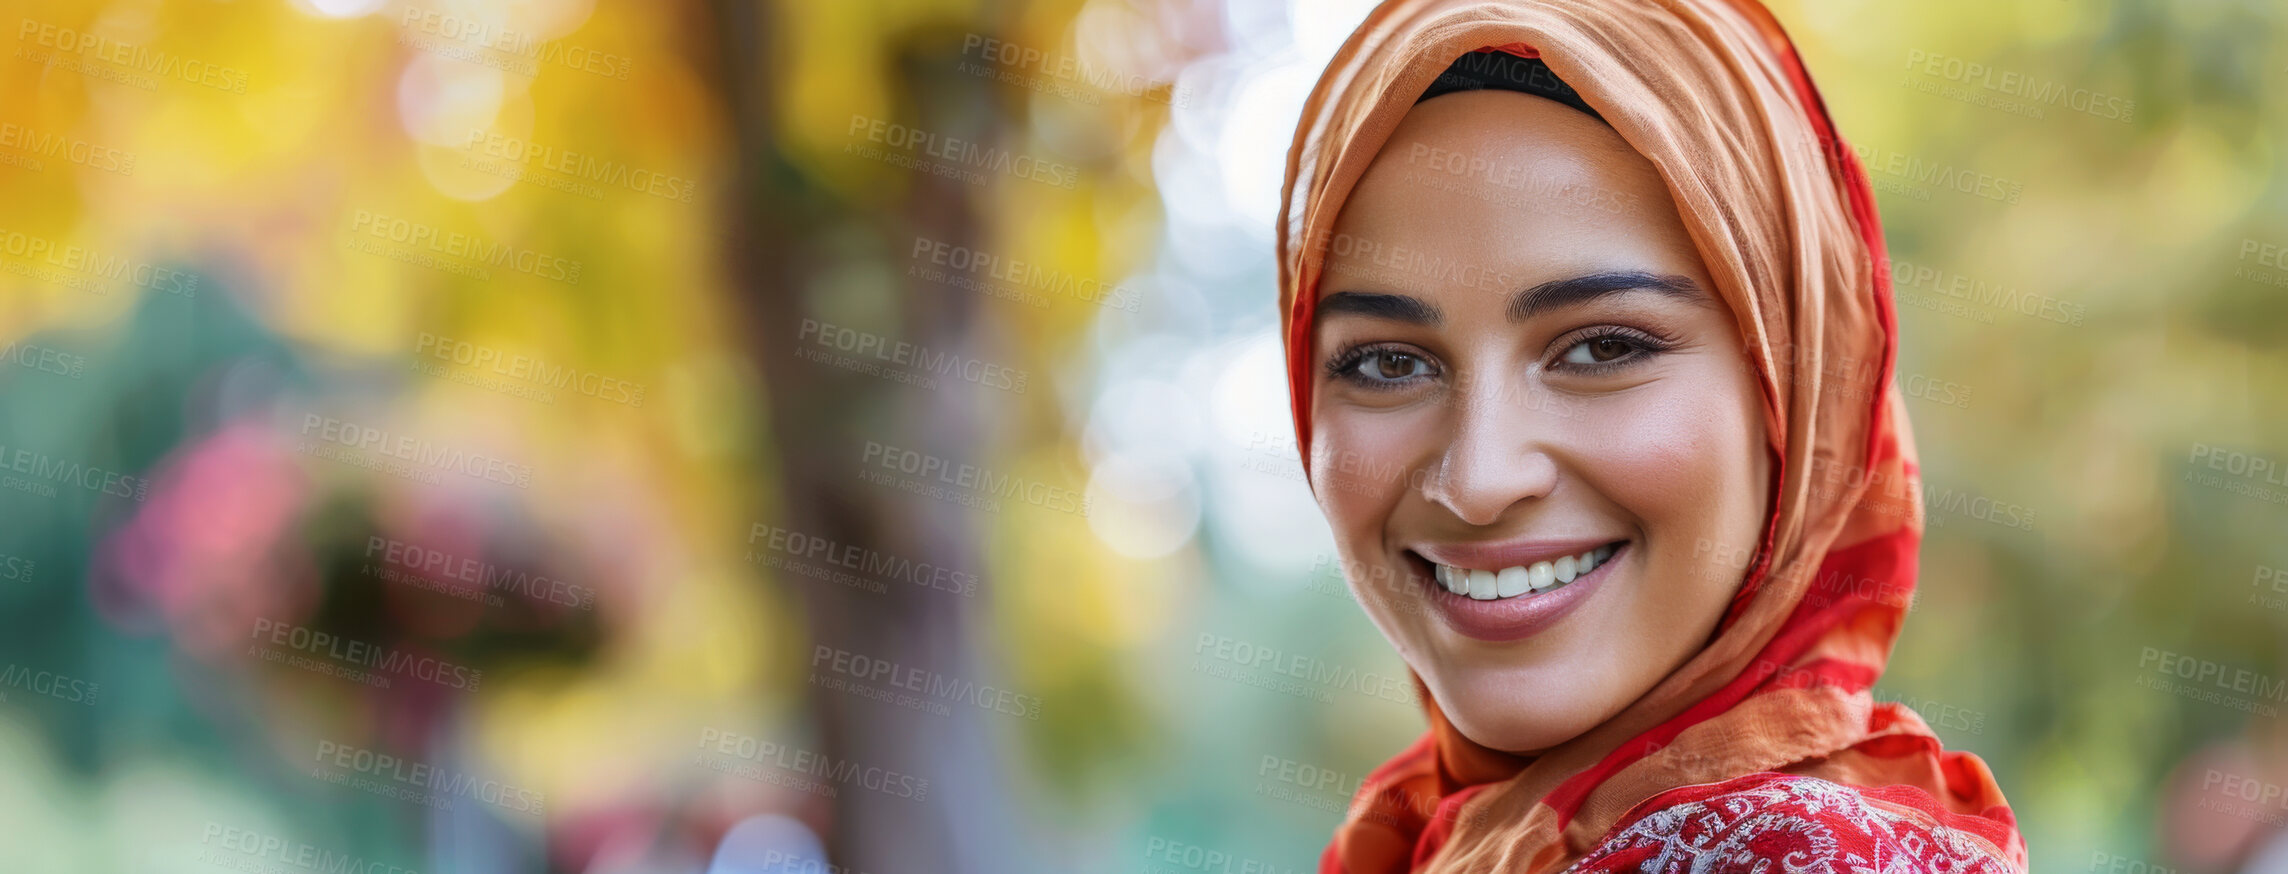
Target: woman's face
1523, 370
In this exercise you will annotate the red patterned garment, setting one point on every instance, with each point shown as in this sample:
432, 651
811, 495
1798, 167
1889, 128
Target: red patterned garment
1772, 822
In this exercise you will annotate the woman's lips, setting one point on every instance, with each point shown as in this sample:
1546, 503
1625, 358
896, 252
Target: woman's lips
1508, 553
1518, 616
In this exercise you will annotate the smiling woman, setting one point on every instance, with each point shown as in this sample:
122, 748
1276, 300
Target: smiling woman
1601, 512
1589, 293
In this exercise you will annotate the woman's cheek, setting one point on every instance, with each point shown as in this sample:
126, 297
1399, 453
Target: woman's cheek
1676, 462
1360, 462
1356, 465
1653, 453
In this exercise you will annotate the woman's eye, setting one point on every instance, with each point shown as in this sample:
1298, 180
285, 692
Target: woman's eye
1601, 350
1388, 367
1396, 365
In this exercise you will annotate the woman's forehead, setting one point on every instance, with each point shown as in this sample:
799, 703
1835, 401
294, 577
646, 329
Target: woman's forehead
1504, 190
1505, 139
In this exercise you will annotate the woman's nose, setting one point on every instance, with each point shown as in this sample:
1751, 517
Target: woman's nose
1497, 454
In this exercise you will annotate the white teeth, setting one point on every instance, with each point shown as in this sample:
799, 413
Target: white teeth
1510, 582
1482, 585
1544, 576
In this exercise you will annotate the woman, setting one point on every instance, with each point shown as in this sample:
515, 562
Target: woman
1590, 344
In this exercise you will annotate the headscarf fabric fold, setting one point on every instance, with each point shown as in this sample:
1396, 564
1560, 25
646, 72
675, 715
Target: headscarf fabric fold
1715, 96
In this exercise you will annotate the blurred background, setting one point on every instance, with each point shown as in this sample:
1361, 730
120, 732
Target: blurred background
601, 436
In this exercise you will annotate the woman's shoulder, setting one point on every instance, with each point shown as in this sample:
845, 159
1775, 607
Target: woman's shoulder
1812, 824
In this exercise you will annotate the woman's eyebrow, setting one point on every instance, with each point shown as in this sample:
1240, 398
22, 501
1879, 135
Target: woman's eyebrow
1582, 289
1376, 305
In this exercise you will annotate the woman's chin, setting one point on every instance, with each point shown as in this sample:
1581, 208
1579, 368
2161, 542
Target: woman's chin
1493, 711
1511, 735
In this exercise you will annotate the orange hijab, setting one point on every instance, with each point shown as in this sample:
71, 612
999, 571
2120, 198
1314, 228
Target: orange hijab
1712, 92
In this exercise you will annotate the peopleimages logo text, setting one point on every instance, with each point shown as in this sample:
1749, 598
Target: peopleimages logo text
442, 781
562, 377
134, 57
421, 235
978, 479
469, 569
913, 355
41, 466
935, 684
413, 449
345, 651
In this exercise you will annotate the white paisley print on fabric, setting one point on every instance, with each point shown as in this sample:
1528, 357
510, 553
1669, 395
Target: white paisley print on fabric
1789, 825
